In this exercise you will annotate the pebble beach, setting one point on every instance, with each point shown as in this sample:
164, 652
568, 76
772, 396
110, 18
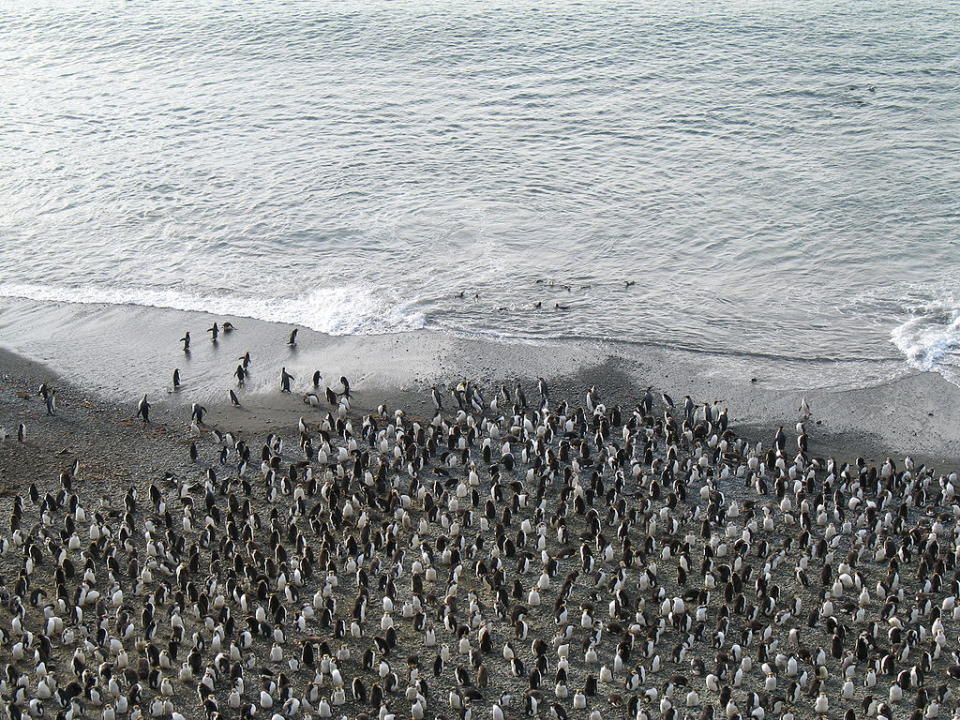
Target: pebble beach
589, 552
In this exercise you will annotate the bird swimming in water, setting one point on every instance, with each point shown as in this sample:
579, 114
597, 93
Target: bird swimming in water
228, 327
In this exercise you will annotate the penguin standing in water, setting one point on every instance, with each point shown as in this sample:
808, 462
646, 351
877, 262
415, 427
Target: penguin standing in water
241, 375
234, 399
143, 409
246, 359
285, 379
293, 337
186, 341
215, 330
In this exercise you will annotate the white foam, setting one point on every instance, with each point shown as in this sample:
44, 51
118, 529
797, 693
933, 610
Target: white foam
335, 311
930, 338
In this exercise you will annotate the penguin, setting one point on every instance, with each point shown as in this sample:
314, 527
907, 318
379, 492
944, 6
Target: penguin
176, 379
234, 400
293, 337
51, 400
346, 387
214, 332
228, 327
186, 341
317, 377
435, 394
543, 390
143, 409
245, 358
285, 379
21, 433
241, 374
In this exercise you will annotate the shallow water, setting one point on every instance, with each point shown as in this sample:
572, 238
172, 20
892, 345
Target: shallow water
778, 180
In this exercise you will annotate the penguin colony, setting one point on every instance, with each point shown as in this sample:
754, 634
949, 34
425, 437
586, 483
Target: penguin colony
501, 560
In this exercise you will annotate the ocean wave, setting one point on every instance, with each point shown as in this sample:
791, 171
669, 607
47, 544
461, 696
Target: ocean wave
930, 338
334, 311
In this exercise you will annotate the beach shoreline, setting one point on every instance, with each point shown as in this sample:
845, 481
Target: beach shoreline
112, 356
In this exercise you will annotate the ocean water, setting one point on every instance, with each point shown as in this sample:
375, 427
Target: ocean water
776, 180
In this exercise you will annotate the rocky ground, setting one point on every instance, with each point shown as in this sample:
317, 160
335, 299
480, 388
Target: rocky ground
392, 565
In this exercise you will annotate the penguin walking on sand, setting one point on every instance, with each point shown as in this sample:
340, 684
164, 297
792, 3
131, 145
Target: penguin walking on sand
435, 394
21, 433
48, 396
293, 337
317, 377
143, 409
544, 391
285, 379
186, 341
234, 399
647, 401
176, 379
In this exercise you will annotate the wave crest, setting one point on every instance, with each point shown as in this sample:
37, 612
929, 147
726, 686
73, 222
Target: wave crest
334, 311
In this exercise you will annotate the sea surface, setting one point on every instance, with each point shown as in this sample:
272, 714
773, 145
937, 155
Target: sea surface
777, 180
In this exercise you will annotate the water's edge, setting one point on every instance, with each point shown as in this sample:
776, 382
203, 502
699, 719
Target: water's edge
120, 353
